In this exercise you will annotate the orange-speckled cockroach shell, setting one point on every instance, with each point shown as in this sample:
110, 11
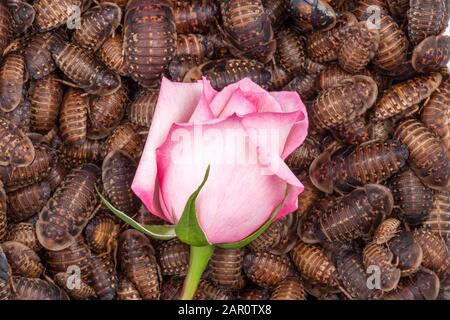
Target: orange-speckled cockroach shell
196, 45
226, 268
407, 252
290, 289
426, 18
302, 157
280, 77
12, 81
412, 198
432, 54
139, 263
56, 175
3, 216
5, 278
309, 196
97, 24
435, 252
276, 11
51, 14
106, 112
290, 50
311, 15
126, 290
304, 85
331, 77
5, 26
24, 233
22, 14
378, 255
141, 109
354, 132
149, 39
195, 16
248, 29
81, 292
422, 285
28, 201
270, 238
309, 221
254, 293
438, 220
16, 148
180, 65
73, 116
21, 116
404, 95
365, 7
207, 291
125, 137
266, 269
313, 67
428, 156
101, 233
386, 231
46, 97
69, 209
171, 288
112, 55
89, 151
36, 289
103, 277
22, 260
343, 103
174, 257
381, 130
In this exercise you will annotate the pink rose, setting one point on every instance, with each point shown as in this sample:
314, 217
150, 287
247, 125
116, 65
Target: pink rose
244, 133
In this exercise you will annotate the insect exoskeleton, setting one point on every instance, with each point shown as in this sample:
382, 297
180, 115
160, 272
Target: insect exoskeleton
265, 269
226, 266
422, 285
51, 14
276, 10
12, 81
398, 8
3, 216
174, 257
355, 132
141, 109
290, 50
438, 220
73, 116
407, 252
125, 137
126, 290
112, 55
195, 16
311, 15
5, 277
90, 151
83, 291
36, 289
386, 231
180, 65
304, 85
254, 293
426, 18
195, 45
16, 149
101, 233
103, 276
290, 289
432, 54
24, 233
435, 252
302, 157
280, 77
207, 291
23, 261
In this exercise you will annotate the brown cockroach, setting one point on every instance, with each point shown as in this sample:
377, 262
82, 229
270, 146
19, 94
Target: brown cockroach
5, 277
3, 215
438, 220
290, 289
280, 77
101, 233
344, 102
398, 8
84, 70
194, 16
323, 46
432, 54
69, 209
24, 233
311, 15
381, 130
366, 7
46, 96
126, 290
26, 202
313, 67
12, 81
354, 132
407, 252
207, 291
270, 238
422, 285
74, 116
173, 257
121, 3
227, 71
426, 18
36, 289
51, 14
83, 291
142, 108
112, 55
412, 198
180, 65
149, 39
276, 11
5, 26
266, 269
428, 156
309, 221
288, 235
103, 276
435, 252
97, 24
371, 162
309, 197
248, 30
254, 293
302, 157
304, 85
386, 231
375, 255
331, 77
359, 47
226, 266
290, 50
139, 263
404, 95
15, 178
171, 288
126, 138
23, 261
22, 14
21, 116
196, 45
56, 175
91, 151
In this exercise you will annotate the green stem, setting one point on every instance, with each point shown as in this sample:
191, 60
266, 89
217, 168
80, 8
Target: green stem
198, 261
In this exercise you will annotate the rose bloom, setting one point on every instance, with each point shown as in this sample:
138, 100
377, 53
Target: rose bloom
244, 133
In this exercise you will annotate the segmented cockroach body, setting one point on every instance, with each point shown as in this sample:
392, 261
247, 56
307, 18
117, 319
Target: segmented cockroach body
69, 209
354, 132
302, 157
309, 222
438, 220
426, 18
141, 109
149, 39
276, 11
23, 261
309, 197
126, 138
375, 255
404, 95
56, 175
81, 292
323, 46
289, 289
248, 29
180, 65
290, 50
91, 151
359, 47
112, 55
280, 77
24, 233
139, 263
386, 231
364, 8
103, 277
304, 85
314, 265
343, 103
226, 266
195, 45
407, 252
12, 80
371, 162
171, 289
22, 14
45, 97
311, 15
265, 269
36, 289
174, 257
435, 255
254, 293
5, 26
51, 14
331, 77
121, 3
428, 156
3, 216
422, 285
412, 198
432, 54
101, 233
270, 238
126, 290
28, 201
288, 235
313, 67
73, 116
97, 24
21, 116
195, 16
5, 277
398, 8
16, 178
207, 291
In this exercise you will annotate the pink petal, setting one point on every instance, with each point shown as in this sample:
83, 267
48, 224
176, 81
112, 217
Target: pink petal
203, 111
176, 103
239, 104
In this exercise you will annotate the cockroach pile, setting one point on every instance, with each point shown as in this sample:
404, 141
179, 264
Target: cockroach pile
78, 86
